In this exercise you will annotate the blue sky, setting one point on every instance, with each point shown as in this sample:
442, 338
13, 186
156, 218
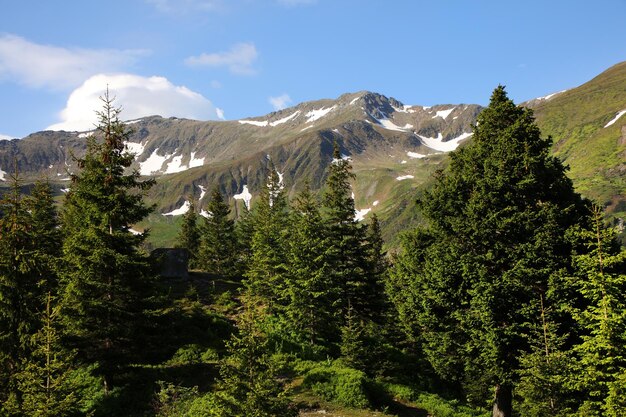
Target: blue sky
210, 59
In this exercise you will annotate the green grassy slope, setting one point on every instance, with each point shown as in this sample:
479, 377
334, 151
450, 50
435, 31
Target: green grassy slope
596, 154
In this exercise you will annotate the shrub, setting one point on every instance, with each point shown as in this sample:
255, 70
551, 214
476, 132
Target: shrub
335, 383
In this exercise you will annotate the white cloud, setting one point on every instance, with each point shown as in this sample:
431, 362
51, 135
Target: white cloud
216, 84
280, 102
220, 113
138, 96
239, 59
185, 6
54, 67
5, 137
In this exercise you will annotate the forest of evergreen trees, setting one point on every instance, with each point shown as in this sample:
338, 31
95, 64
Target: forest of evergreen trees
509, 299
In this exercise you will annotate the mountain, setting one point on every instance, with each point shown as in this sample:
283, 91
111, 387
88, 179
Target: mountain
589, 129
394, 149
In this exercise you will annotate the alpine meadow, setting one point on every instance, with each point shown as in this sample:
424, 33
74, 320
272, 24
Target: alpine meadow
342, 257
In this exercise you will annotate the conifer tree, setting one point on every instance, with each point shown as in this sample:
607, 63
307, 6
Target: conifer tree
311, 296
104, 272
45, 382
19, 293
265, 278
189, 235
248, 378
497, 217
376, 302
601, 356
345, 251
244, 230
218, 242
46, 240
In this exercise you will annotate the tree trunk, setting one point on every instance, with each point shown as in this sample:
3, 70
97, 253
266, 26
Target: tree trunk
502, 401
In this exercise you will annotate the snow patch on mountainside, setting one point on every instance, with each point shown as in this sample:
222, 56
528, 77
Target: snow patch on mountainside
205, 214
179, 211
314, 115
153, 163
195, 162
549, 96
175, 165
135, 148
405, 177
245, 196
202, 191
439, 145
354, 100
443, 113
285, 119
359, 215
415, 155
389, 125
619, 114
2, 174
253, 122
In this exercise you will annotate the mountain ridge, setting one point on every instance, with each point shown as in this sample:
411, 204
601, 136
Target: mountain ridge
394, 148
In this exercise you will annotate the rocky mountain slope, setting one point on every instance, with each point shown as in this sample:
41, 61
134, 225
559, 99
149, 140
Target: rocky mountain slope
394, 149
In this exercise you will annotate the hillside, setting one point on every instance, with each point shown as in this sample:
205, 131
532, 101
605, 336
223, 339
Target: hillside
394, 149
589, 131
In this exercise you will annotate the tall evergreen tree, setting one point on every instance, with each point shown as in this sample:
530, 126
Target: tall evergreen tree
218, 242
265, 278
496, 238
19, 293
248, 383
601, 356
104, 272
46, 239
345, 251
189, 235
45, 383
311, 297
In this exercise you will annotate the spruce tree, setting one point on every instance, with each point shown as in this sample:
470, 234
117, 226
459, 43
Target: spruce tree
265, 278
218, 242
104, 272
311, 297
345, 250
495, 240
189, 235
19, 293
601, 356
248, 383
45, 383
46, 240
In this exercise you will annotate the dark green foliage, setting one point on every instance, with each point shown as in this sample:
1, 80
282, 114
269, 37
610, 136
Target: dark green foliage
249, 385
244, 231
104, 273
351, 263
601, 356
45, 381
267, 267
339, 384
496, 237
189, 235
20, 298
218, 242
311, 298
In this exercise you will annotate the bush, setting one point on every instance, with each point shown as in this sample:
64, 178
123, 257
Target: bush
187, 355
193, 354
335, 383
